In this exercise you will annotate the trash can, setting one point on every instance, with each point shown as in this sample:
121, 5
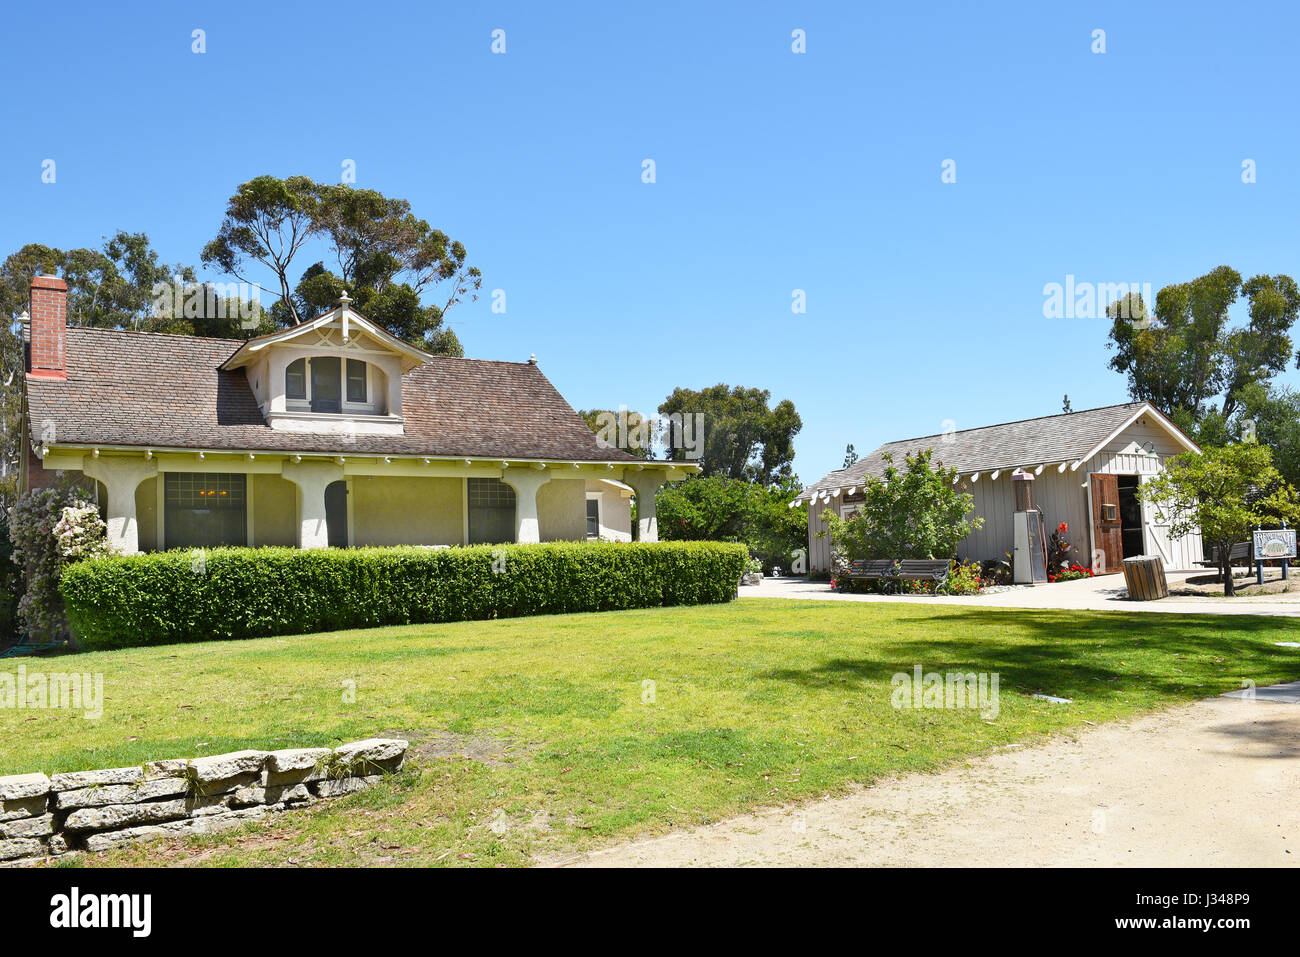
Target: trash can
1145, 577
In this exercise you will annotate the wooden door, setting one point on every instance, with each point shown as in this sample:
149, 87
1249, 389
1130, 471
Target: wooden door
1107, 534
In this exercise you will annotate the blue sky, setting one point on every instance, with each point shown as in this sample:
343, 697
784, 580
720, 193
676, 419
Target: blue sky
775, 171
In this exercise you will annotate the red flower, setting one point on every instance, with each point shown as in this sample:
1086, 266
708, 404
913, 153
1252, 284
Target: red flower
1063, 527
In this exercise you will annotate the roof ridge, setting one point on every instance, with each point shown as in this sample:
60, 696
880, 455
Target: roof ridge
237, 343
1032, 418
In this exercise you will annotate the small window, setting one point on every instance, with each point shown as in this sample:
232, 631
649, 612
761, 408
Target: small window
295, 380
593, 517
356, 380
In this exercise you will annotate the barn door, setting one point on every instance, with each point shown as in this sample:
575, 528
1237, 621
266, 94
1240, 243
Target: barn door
1107, 537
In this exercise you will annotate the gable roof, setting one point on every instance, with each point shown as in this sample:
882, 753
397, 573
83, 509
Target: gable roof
160, 391
1067, 437
348, 319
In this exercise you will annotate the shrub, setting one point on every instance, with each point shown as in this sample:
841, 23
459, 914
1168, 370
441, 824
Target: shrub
51, 528
909, 512
251, 592
11, 588
722, 509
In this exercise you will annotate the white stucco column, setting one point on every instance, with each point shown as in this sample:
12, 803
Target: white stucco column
121, 476
526, 482
312, 479
645, 484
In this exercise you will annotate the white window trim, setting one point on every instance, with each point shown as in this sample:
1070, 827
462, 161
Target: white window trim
347, 407
599, 498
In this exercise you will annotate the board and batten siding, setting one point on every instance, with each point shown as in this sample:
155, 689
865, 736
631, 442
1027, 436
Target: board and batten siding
1141, 449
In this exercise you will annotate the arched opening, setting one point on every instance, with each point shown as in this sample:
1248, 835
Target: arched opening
336, 514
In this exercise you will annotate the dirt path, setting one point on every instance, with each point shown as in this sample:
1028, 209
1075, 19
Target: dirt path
1216, 783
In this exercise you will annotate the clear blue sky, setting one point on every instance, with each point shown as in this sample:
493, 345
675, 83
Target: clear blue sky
775, 172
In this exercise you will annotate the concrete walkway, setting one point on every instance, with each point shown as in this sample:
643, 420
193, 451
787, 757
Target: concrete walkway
1099, 594
1210, 784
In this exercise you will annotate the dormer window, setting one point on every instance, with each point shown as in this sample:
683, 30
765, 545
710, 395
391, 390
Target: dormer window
337, 372
329, 385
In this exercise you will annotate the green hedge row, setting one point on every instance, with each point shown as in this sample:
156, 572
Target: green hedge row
196, 595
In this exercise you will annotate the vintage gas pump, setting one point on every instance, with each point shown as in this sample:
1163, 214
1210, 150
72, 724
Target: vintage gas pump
1029, 538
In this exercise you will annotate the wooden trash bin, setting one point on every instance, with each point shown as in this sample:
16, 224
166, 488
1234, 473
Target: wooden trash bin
1145, 577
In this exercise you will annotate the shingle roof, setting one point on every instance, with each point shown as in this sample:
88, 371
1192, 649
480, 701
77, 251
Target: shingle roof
1029, 442
166, 391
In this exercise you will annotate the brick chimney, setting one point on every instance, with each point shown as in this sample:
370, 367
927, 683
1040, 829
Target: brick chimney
48, 327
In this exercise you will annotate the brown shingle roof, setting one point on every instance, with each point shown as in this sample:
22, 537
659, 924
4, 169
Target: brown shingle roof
166, 391
1029, 442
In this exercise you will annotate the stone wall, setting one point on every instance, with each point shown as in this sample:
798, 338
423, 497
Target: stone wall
44, 816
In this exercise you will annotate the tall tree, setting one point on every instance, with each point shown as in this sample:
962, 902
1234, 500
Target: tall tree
744, 437
387, 259
1186, 356
268, 220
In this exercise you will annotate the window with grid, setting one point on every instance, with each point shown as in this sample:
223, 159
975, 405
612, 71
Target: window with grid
491, 512
204, 509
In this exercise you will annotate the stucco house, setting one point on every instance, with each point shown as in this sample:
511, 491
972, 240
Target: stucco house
329, 433
1086, 468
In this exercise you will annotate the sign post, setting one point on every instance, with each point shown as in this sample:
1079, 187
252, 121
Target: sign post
1274, 543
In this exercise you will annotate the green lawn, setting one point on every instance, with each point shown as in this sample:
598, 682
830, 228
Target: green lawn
756, 702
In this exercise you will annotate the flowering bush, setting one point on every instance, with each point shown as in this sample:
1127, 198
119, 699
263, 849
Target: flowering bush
51, 528
1058, 548
1071, 572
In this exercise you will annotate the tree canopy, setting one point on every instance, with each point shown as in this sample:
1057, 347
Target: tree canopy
1186, 358
744, 437
385, 258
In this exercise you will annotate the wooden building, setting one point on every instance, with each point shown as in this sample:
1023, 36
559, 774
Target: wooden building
1086, 465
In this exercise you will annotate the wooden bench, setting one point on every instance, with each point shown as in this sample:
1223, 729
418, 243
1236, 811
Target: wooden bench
871, 570
926, 570
1243, 553
909, 569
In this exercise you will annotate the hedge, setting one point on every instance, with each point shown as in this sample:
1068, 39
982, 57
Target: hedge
200, 595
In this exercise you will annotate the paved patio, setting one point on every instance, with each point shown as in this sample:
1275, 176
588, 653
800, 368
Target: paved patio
1098, 594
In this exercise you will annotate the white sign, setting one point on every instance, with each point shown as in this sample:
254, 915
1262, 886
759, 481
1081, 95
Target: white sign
1275, 543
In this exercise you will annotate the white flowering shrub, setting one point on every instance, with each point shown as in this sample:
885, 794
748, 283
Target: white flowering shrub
52, 528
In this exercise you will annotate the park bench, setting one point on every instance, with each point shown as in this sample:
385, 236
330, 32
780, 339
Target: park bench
909, 569
926, 570
871, 570
1241, 554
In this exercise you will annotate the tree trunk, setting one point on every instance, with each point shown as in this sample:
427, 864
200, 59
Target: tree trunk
1226, 572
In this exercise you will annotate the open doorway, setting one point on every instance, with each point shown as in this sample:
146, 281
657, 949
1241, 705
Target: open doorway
1130, 517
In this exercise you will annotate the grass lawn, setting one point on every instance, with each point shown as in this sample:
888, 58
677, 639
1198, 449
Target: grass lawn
757, 702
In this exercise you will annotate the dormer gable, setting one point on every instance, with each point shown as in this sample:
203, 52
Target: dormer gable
336, 373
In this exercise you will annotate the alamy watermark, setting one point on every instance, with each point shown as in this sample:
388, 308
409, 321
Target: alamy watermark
636, 432
213, 300
1087, 300
38, 691
956, 689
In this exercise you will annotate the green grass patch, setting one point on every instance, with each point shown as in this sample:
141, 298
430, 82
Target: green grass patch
753, 703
